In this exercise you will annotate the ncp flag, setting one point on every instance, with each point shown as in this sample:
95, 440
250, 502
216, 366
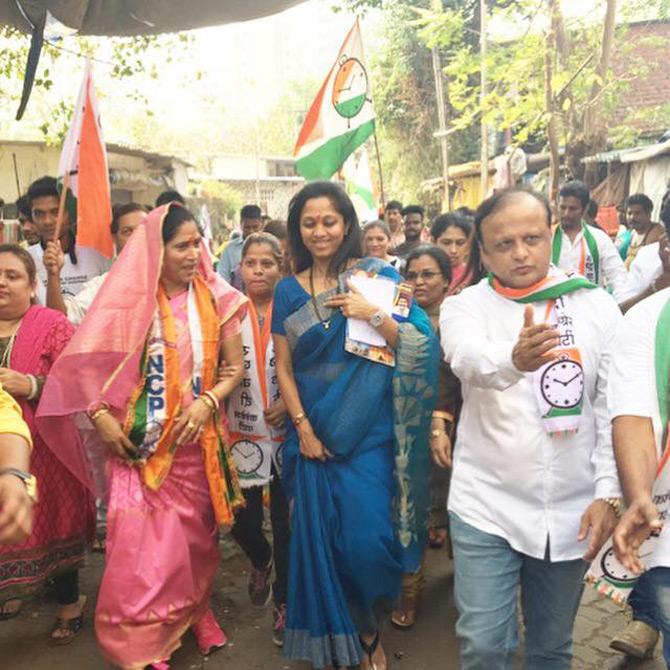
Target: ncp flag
84, 161
341, 117
359, 186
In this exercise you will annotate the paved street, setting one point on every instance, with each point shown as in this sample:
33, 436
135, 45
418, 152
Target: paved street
431, 645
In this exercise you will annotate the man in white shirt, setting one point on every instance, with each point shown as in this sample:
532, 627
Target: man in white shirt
578, 247
649, 272
534, 485
125, 219
80, 263
638, 401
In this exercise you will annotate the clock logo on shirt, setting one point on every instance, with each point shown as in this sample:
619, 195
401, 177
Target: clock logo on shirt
248, 456
562, 384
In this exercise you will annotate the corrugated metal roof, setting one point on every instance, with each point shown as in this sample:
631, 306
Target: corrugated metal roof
630, 155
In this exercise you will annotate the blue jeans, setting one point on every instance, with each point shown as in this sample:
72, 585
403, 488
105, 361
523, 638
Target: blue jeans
487, 574
643, 601
656, 584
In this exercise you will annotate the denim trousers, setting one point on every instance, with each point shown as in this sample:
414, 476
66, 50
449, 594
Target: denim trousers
643, 601
650, 601
487, 576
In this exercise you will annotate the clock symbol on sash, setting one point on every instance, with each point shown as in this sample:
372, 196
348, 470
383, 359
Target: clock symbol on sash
279, 457
248, 456
614, 571
350, 88
562, 384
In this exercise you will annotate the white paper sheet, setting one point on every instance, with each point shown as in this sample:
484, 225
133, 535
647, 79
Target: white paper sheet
381, 293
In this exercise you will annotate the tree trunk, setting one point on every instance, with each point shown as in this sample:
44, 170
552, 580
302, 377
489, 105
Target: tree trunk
595, 131
549, 51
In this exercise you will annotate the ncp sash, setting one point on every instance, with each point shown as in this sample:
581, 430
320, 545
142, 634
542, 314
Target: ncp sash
559, 384
255, 443
589, 256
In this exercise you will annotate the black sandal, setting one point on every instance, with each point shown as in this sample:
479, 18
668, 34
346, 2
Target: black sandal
370, 649
68, 629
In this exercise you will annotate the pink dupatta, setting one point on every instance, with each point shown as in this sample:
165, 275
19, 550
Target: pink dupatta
102, 361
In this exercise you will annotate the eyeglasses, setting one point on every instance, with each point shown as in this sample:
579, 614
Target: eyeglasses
426, 275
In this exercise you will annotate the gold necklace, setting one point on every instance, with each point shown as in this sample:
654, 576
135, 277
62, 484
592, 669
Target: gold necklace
7, 353
325, 323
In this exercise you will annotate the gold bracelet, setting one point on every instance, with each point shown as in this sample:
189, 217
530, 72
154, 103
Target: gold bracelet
299, 418
213, 398
447, 416
98, 413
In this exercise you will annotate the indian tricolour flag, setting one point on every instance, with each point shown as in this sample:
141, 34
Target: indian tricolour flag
341, 117
358, 184
83, 167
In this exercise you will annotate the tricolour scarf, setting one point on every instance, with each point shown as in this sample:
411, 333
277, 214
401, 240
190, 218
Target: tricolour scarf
559, 384
589, 259
155, 405
254, 441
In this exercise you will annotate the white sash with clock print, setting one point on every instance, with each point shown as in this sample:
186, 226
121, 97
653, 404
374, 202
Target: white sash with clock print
254, 442
559, 385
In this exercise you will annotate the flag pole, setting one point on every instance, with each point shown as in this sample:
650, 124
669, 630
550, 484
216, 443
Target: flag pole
61, 206
379, 166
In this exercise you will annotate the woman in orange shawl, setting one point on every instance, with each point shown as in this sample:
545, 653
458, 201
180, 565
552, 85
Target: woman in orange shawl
144, 366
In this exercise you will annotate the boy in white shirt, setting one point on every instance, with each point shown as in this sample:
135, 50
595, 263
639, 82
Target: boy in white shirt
80, 263
534, 485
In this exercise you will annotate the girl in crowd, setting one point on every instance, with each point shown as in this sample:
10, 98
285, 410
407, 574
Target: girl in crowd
377, 241
144, 365
31, 338
256, 415
428, 270
348, 548
453, 234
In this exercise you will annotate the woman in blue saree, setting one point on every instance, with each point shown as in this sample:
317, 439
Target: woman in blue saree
356, 457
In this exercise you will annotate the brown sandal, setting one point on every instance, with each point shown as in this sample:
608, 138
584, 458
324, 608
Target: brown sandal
11, 612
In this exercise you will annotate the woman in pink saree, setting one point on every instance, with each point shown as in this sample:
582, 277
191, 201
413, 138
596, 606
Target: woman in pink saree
144, 365
31, 338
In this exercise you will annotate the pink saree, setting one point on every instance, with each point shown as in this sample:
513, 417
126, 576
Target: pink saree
64, 516
162, 545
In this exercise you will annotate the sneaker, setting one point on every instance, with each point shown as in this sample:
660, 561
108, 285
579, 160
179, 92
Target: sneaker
278, 625
637, 640
260, 586
209, 634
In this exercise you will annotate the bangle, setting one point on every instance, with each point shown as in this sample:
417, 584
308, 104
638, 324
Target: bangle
446, 416
93, 408
33, 387
215, 401
208, 401
98, 413
299, 418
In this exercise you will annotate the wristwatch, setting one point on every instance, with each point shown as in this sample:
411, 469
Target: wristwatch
29, 480
377, 318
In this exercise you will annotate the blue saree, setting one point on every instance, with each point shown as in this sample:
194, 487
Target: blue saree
358, 520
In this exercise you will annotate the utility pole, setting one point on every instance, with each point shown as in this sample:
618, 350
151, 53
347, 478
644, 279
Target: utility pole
484, 168
441, 117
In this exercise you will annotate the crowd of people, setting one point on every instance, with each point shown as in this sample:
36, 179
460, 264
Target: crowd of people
503, 401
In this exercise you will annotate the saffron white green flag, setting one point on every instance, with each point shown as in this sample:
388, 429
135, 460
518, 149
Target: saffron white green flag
341, 117
84, 161
359, 186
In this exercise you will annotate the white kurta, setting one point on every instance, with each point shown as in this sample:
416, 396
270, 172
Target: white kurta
612, 269
646, 267
632, 383
510, 478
